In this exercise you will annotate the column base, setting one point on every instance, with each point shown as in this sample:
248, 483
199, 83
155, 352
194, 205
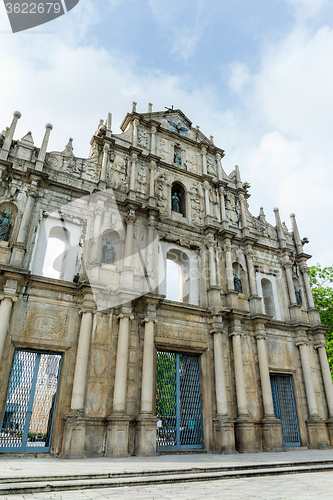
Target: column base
224, 431
329, 425
317, 433
145, 435
314, 316
295, 312
214, 298
75, 431
232, 299
245, 436
18, 254
117, 440
255, 305
271, 434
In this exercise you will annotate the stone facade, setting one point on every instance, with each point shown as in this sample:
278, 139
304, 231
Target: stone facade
243, 302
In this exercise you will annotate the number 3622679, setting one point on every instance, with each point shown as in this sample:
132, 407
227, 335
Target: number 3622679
33, 8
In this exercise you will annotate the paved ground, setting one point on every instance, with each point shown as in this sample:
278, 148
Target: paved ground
292, 487
49, 466
306, 486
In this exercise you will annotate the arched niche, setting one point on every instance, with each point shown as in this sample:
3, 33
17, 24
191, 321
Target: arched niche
9, 208
179, 190
57, 249
268, 297
298, 290
178, 281
117, 243
240, 273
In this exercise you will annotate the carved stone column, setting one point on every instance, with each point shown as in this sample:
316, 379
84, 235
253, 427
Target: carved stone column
75, 425
214, 296
105, 164
223, 213
312, 311
152, 167
204, 160
153, 140
146, 423
232, 295
135, 132
42, 151
134, 159
255, 300
7, 299
219, 167
272, 436
243, 211
127, 271
95, 253
244, 428
8, 139
317, 432
224, 427
207, 202
328, 385
295, 310
118, 427
19, 247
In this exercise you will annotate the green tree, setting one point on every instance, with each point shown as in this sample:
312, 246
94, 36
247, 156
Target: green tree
321, 281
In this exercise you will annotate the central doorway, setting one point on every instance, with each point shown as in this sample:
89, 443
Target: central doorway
178, 402
284, 408
27, 420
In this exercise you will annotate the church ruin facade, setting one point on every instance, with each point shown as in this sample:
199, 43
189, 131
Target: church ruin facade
144, 309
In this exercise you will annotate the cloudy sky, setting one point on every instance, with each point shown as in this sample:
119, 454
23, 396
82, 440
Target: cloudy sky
255, 74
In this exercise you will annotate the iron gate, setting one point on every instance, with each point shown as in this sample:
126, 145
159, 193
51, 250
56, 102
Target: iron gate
178, 402
32, 392
284, 409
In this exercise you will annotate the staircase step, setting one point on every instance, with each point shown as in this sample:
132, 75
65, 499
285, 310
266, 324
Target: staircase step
47, 484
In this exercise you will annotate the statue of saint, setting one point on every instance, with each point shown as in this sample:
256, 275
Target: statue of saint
238, 284
108, 253
5, 227
298, 294
177, 159
175, 203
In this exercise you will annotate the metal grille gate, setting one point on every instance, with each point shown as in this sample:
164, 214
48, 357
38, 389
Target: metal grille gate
28, 416
178, 402
284, 409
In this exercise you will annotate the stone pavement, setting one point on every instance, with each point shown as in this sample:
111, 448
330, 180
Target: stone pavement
293, 486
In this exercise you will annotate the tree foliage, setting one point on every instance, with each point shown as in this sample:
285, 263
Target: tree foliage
321, 281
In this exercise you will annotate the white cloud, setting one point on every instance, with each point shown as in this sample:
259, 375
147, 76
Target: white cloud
306, 8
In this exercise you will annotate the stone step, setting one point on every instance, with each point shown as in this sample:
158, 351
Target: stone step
47, 484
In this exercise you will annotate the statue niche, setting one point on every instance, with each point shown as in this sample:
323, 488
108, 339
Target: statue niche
108, 253
178, 204
5, 227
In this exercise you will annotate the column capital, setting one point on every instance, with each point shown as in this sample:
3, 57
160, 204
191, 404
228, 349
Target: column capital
234, 333
130, 219
304, 268
203, 150
248, 252
125, 315
13, 298
147, 319
261, 336
319, 344
221, 190
218, 157
241, 197
301, 341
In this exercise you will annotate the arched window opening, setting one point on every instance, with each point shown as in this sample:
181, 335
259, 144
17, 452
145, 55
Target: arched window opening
178, 199
173, 281
268, 297
178, 283
56, 253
